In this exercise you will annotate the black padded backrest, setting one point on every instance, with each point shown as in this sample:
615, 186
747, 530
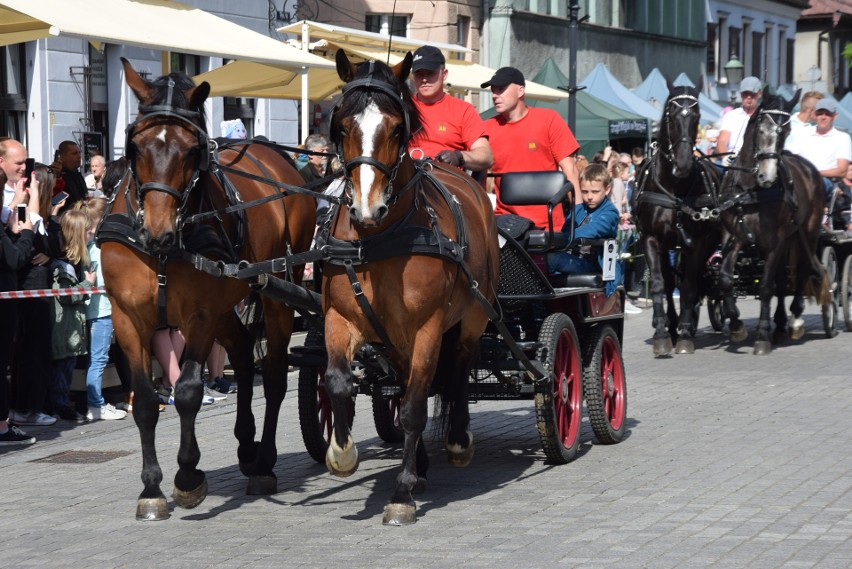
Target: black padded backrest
530, 188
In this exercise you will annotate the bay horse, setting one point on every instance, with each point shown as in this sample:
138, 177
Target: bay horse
773, 200
152, 249
673, 206
422, 247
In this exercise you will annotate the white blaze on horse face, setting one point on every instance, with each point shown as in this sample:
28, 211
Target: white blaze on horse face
162, 136
369, 121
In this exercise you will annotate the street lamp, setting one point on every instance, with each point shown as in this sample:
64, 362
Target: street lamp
734, 72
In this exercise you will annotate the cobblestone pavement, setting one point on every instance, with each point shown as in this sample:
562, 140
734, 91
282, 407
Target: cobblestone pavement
732, 460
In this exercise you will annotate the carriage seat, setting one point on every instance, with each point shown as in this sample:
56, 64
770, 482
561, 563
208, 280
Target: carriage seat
548, 188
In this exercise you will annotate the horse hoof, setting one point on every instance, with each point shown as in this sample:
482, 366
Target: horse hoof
797, 329
662, 346
459, 456
262, 486
762, 348
190, 499
152, 509
342, 462
685, 346
419, 486
399, 514
739, 334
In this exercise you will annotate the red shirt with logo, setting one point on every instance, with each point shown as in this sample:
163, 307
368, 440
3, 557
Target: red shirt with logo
535, 143
449, 124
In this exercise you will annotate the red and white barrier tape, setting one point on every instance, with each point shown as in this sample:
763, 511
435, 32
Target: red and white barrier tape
49, 292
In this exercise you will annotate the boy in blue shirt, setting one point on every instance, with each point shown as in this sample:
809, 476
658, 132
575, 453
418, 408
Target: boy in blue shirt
595, 218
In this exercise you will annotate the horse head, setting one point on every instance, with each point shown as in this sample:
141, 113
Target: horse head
680, 127
772, 125
167, 147
371, 127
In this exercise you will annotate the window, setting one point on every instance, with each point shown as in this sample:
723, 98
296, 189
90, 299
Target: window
243, 109
463, 31
734, 42
13, 100
757, 57
711, 49
387, 24
183, 63
791, 51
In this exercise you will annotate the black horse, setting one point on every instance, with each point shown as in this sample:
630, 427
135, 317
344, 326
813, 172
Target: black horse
674, 206
773, 203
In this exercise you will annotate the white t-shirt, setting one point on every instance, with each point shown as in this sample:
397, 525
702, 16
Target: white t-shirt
797, 129
823, 150
735, 122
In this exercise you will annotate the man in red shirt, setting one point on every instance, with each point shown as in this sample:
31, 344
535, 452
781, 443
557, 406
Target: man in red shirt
453, 132
527, 139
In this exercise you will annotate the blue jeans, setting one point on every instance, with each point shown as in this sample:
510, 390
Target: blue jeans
57, 392
828, 186
568, 264
100, 335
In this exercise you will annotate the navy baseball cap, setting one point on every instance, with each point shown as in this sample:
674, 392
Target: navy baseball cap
427, 57
505, 76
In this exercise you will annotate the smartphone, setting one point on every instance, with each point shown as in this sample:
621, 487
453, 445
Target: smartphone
28, 173
22, 212
58, 198
93, 266
56, 155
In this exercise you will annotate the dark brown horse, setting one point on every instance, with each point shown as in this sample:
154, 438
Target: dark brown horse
148, 240
673, 207
773, 201
423, 245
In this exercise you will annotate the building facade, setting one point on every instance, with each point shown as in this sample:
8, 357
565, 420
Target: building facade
823, 31
65, 88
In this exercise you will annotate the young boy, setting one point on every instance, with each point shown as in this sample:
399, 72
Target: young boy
595, 218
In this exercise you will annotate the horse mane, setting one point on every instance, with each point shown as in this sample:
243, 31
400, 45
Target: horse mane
357, 100
182, 83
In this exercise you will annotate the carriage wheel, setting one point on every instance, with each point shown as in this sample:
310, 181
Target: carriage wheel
846, 292
716, 312
605, 386
387, 420
315, 416
559, 396
829, 311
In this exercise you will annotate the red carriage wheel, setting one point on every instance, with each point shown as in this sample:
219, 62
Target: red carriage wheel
605, 386
315, 417
559, 396
386, 418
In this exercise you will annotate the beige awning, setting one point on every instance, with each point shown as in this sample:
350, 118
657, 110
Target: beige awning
247, 79
350, 36
153, 24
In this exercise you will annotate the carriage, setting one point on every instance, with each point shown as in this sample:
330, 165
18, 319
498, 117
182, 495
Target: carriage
410, 252
557, 341
834, 249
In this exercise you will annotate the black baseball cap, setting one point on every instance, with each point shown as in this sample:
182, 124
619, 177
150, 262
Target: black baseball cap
427, 57
505, 76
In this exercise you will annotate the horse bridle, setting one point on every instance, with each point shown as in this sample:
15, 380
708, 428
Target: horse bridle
372, 84
684, 110
189, 120
777, 117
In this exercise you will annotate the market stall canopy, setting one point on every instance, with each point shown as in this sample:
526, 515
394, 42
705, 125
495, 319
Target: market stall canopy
601, 83
597, 122
152, 24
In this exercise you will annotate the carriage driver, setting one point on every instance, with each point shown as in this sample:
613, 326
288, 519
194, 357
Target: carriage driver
453, 132
527, 139
733, 126
824, 146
